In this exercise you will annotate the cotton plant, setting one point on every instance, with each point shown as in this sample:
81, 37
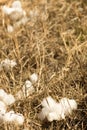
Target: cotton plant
10, 28
16, 14
8, 99
27, 88
7, 64
3, 107
34, 77
11, 116
56, 111
68, 105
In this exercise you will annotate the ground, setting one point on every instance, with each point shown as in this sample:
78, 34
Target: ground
53, 45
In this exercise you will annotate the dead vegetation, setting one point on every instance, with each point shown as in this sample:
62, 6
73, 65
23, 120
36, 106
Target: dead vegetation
53, 45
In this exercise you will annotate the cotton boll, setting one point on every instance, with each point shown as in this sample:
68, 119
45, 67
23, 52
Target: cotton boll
16, 4
34, 77
17, 15
43, 114
15, 12
64, 102
9, 117
28, 84
7, 64
19, 119
7, 10
2, 108
59, 111
73, 104
12, 63
2, 94
12, 117
9, 99
46, 108
56, 111
68, 105
10, 29
50, 106
27, 88
52, 116
48, 102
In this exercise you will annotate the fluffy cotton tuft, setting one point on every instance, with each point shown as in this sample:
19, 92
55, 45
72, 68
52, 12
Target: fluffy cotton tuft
2, 108
7, 64
56, 111
9, 117
34, 77
8, 99
2, 94
19, 119
16, 14
27, 88
48, 102
68, 105
7, 10
16, 4
51, 110
12, 117
10, 28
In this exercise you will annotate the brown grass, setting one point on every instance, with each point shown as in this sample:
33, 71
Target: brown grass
54, 45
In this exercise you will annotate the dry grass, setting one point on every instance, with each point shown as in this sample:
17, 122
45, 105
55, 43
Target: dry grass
53, 45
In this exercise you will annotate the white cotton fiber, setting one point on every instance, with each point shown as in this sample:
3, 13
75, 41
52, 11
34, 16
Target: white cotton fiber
19, 119
56, 111
43, 114
16, 14
12, 117
7, 10
2, 107
73, 104
49, 106
10, 28
68, 105
34, 78
52, 116
7, 64
16, 4
48, 102
9, 117
2, 94
27, 88
9, 99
